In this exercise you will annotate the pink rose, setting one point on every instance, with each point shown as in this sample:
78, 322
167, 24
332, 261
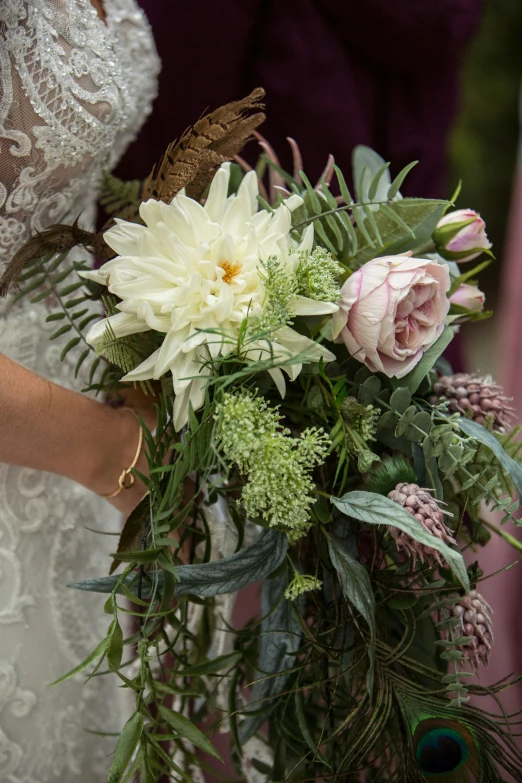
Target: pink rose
392, 309
468, 296
461, 235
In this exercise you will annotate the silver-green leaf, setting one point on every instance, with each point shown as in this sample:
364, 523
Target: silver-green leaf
378, 510
279, 642
357, 588
256, 561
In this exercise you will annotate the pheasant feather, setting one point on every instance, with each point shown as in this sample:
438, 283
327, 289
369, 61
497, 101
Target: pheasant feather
214, 139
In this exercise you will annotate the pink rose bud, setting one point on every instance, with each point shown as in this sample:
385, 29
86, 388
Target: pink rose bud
393, 309
468, 296
461, 235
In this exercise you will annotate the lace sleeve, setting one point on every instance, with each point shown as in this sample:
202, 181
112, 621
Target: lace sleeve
71, 98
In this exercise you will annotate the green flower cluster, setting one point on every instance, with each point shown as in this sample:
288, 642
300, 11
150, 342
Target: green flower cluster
281, 288
278, 466
317, 276
314, 277
301, 583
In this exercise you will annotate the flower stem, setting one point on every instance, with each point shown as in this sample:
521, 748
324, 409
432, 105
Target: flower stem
511, 540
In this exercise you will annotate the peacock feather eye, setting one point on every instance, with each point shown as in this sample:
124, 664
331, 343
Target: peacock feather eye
441, 750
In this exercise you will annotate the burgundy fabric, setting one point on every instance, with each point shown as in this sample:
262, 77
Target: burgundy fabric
337, 73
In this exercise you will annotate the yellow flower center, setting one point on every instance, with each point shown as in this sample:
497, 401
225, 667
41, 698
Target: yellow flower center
231, 269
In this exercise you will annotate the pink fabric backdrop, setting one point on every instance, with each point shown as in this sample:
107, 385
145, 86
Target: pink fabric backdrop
504, 590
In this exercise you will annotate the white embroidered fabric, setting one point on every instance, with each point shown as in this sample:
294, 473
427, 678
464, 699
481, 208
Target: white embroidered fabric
74, 90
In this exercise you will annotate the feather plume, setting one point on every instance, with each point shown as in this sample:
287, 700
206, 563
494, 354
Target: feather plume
214, 139
59, 238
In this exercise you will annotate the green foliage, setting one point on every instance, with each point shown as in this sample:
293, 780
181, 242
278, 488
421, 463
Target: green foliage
360, 230
119, 198
55, 279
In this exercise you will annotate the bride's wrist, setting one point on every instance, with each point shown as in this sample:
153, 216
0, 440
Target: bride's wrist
123, 448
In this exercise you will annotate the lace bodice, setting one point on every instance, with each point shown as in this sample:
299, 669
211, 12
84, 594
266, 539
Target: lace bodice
73, 92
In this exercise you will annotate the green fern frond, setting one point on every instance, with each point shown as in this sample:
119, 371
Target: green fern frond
120, 198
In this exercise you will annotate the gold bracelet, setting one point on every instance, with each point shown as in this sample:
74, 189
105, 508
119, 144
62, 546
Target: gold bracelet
128, 471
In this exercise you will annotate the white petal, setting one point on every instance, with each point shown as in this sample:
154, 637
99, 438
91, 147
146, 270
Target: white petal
97, 275
181, 409
279, 380
144, 371
218, 193
307, 240
249, 187
123, 237
293, 202
302, 305
122, 325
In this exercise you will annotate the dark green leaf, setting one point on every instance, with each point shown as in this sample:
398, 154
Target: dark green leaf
70, 345
82, 357
186, 729
131, 537
399, 179
212, 666
55, 317
305, 729
280, 639
357, 588
62, 330
115, 651
93, 657
126, 745
378, 510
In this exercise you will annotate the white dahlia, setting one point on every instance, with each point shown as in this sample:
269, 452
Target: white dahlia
193, 268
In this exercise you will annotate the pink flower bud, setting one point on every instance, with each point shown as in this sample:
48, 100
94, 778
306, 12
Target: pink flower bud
461, 235
468, 296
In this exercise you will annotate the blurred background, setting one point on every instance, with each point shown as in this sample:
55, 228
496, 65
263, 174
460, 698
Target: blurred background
483, 154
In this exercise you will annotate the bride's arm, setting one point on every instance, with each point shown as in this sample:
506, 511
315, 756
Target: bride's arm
47, 427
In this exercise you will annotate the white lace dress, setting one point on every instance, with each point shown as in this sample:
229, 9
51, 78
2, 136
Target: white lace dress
73, 92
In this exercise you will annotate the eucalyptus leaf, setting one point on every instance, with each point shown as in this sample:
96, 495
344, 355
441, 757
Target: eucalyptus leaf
480, 433
357, 588
414, 379
378, 510
256, 561
400, 399
279, 642
369, 390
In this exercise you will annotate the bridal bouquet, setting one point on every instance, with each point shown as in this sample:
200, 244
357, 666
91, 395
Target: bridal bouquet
311, 438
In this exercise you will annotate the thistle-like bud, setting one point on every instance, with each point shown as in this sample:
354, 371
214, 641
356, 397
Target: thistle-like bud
426, 510
481, 396
475, 621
